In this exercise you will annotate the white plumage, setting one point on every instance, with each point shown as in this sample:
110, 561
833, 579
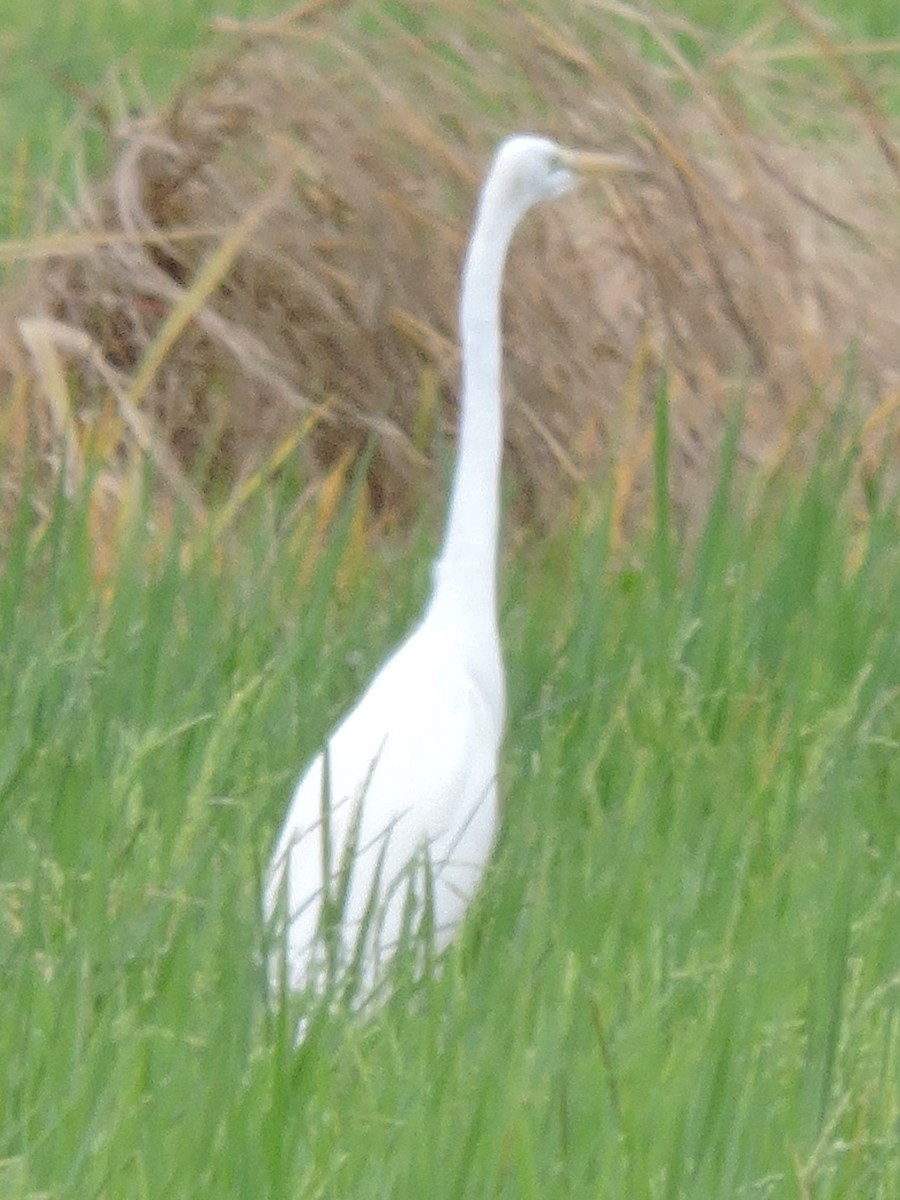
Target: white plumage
411, 769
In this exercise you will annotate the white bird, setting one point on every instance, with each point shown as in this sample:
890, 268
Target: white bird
396, 817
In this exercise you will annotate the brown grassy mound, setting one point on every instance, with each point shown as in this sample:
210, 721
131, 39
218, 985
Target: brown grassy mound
272, 264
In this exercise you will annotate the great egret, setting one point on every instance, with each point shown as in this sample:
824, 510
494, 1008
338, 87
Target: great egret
396, 817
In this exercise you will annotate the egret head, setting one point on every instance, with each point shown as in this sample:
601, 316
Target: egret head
528, 169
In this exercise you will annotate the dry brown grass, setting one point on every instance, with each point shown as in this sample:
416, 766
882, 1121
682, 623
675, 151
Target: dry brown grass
272, 265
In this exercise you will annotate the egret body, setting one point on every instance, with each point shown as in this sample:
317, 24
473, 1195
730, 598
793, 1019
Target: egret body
397, 815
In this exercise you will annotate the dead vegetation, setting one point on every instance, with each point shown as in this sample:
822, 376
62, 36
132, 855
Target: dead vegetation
270, 267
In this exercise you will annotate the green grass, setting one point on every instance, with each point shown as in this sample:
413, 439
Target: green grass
57, 62
682, 978
859, 18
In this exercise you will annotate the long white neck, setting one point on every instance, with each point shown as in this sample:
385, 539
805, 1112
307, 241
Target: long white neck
465, 584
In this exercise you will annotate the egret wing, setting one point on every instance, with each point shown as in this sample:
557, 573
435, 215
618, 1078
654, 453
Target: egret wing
410, 769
